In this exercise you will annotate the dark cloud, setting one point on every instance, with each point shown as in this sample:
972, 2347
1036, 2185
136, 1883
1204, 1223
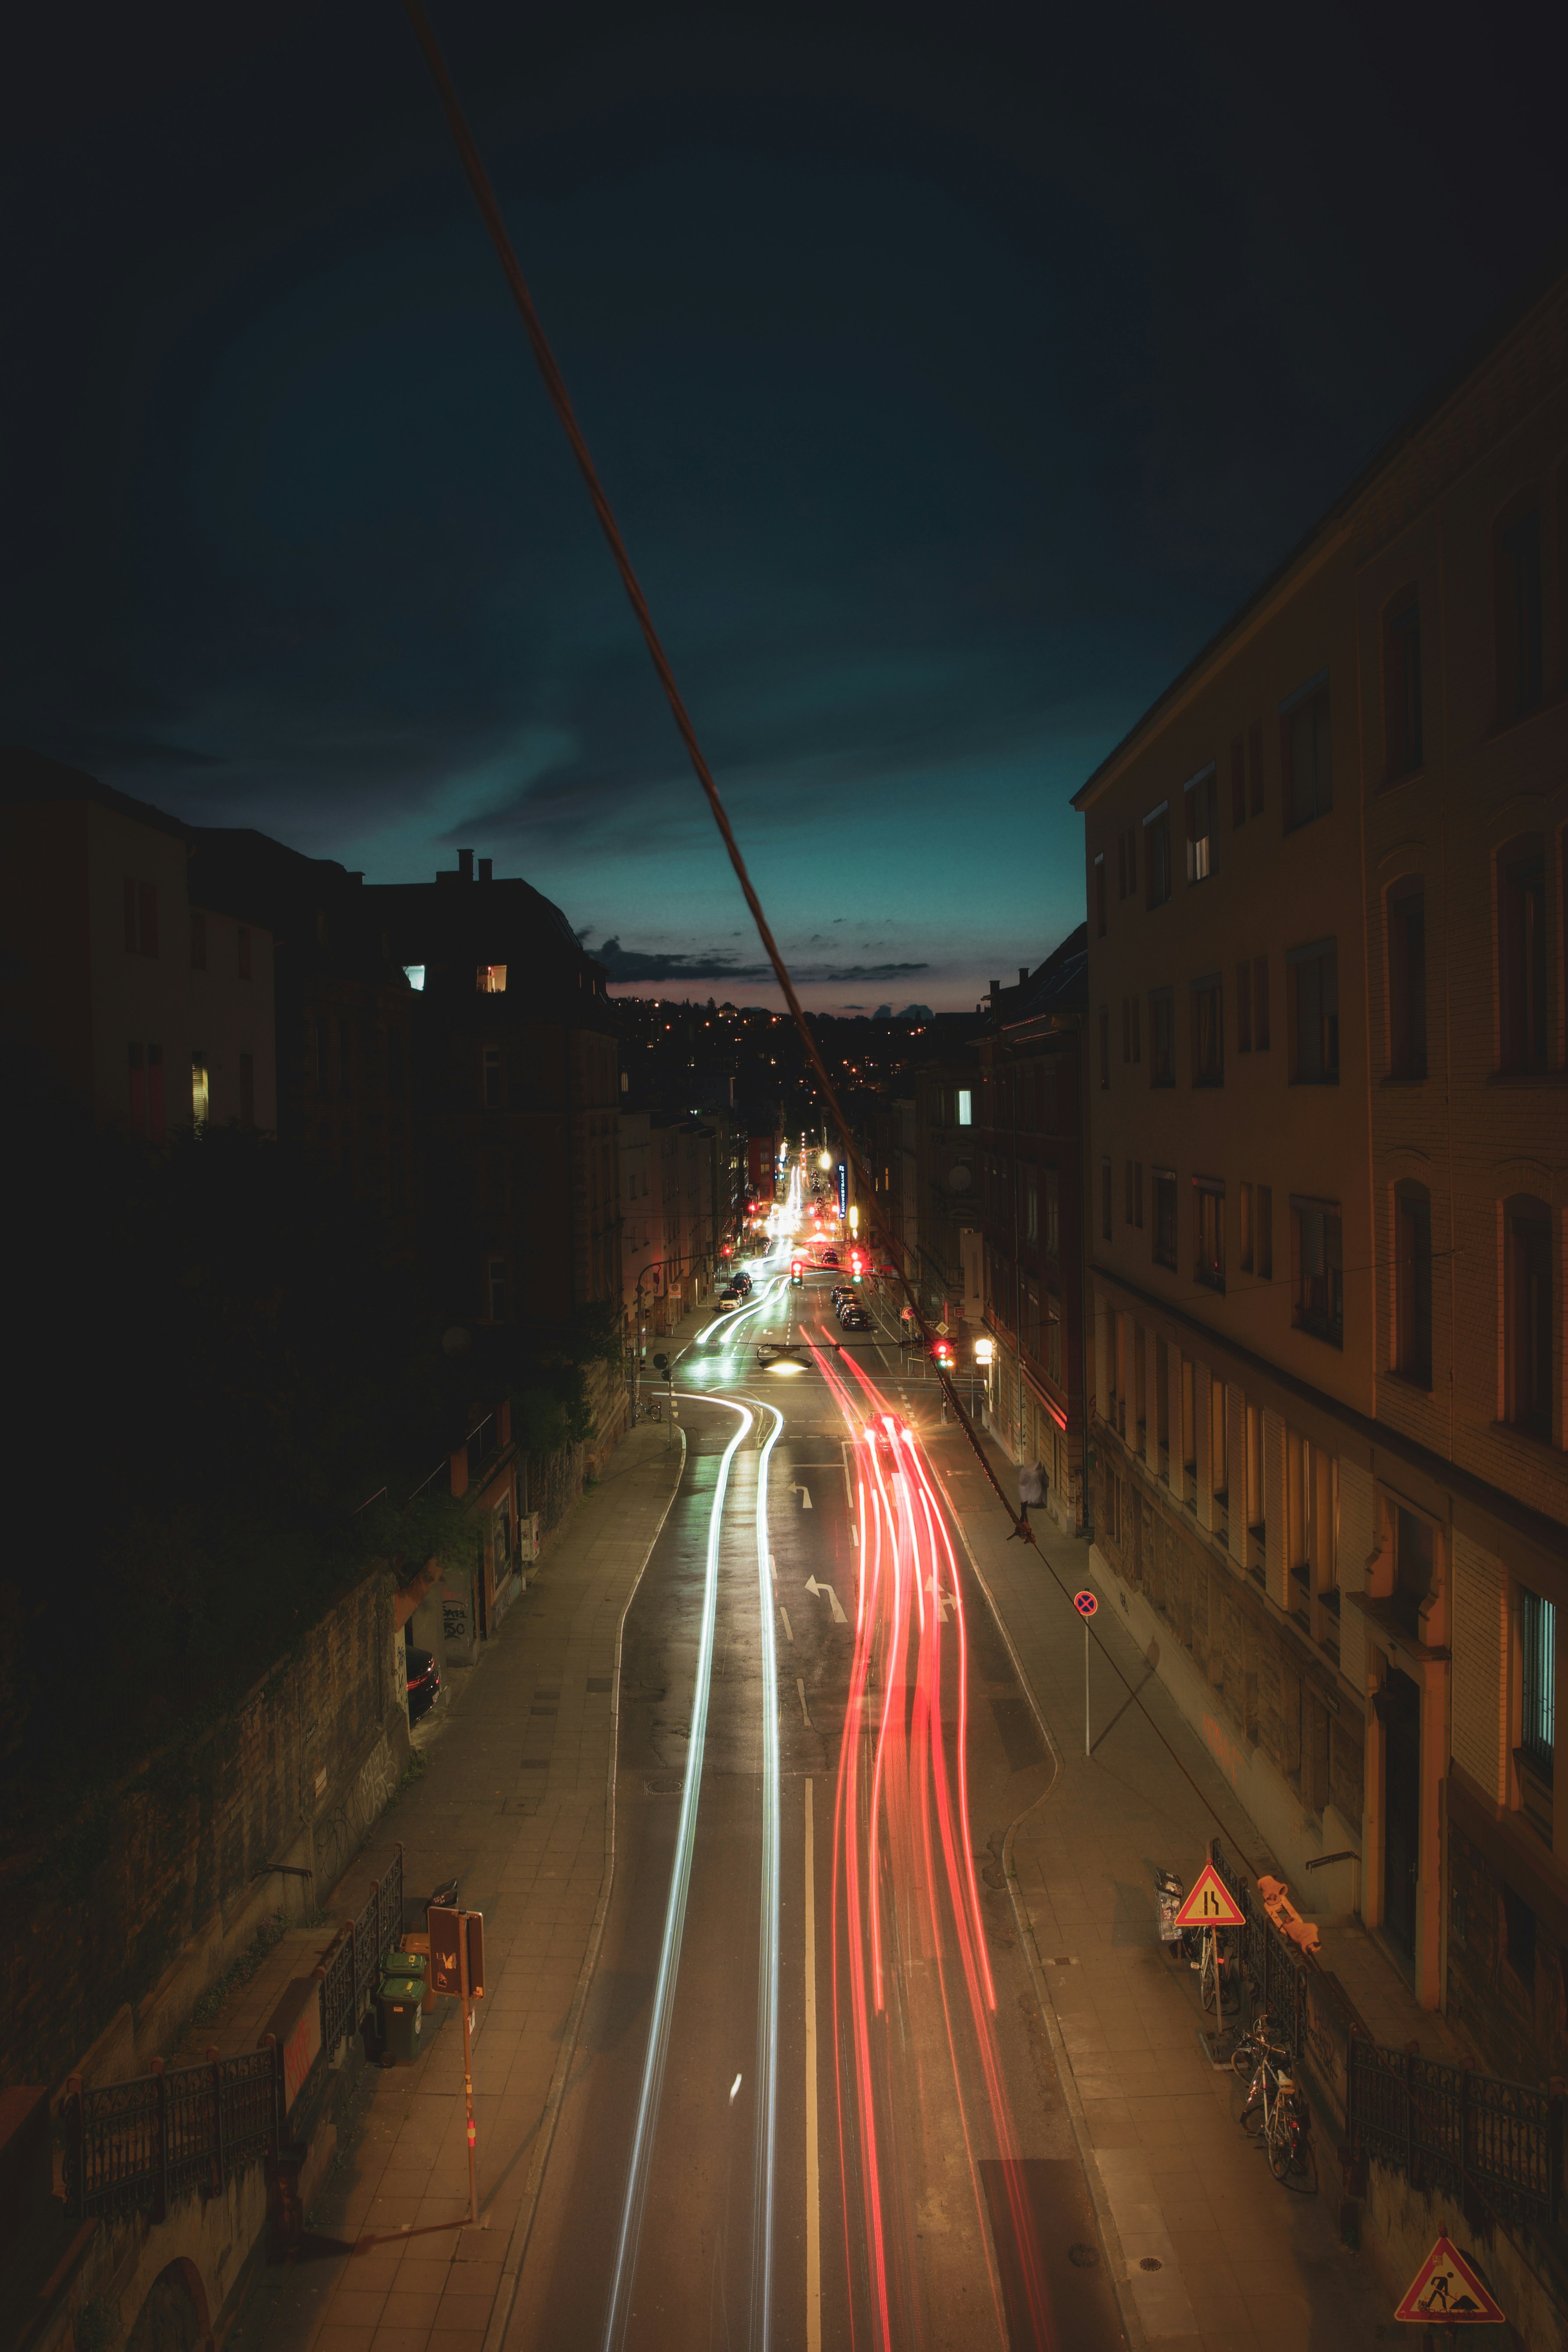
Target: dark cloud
627, 963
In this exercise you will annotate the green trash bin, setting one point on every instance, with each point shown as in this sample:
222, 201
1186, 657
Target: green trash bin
402, 1999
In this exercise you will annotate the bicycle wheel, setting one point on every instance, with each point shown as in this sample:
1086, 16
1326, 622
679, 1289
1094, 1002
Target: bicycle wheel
1244, 2059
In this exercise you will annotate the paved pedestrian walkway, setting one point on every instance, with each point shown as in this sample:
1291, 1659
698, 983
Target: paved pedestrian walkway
1210, 2251
522, 1821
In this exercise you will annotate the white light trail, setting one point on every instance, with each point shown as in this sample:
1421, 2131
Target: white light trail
768, 1941
641, 2163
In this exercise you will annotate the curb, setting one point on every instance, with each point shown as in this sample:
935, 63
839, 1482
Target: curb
522, 2228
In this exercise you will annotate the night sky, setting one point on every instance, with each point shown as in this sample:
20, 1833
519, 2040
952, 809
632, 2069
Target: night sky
954, 372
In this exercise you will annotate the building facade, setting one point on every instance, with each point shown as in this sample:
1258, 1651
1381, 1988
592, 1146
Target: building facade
1328, 1161
147, 995
1031, 1150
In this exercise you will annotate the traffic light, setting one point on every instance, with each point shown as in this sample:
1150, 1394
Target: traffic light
942, 1355
724, 1249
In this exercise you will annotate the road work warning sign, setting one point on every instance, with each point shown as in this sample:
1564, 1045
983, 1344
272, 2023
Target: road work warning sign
1211, 1902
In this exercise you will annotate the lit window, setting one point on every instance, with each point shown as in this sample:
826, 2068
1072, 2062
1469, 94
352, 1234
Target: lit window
414, 974
1537, 1709
965, 1108
200, 1095
490, 980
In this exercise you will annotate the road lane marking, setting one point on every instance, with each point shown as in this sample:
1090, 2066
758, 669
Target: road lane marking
800, 1686
833, 1601
812, 2212
789, 1629
768, 1952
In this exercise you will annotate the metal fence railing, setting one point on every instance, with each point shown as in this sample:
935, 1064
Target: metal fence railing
1444, 2126
182, 2131
1449, 2128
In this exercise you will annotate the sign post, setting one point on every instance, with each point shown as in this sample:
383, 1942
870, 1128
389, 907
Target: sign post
458, 1970
1086, 1604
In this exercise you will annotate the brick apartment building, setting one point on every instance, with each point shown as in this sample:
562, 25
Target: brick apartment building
1031, 1149
1327, 1153
149, 997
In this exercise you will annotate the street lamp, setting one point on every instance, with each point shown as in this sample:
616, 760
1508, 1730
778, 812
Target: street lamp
825, 1161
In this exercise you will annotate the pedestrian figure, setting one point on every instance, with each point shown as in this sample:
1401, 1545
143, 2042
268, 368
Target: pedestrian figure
1031, 1489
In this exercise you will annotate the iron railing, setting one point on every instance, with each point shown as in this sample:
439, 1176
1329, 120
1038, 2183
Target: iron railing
1445, 2127
137, 2147
182, 2131
1448, 2127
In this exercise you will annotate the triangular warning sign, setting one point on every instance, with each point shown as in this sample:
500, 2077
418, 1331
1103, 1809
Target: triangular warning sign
1446, 2288
1211, 1902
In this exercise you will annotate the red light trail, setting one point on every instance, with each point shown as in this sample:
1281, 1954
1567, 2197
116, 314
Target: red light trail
907, 1924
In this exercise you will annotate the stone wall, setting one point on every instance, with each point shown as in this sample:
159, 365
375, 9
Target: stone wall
106, 1968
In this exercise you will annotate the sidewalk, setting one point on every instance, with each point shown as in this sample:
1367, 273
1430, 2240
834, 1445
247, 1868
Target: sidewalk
1210, 2251
513, 1802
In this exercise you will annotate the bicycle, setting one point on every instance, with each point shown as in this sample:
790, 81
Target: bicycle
1291, 2157
1269, 2064
650, 1409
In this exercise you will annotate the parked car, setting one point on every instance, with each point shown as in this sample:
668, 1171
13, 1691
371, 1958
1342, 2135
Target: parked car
424, 1682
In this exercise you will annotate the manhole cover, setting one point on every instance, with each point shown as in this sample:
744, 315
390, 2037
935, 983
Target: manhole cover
1082, 2257
1150, 2262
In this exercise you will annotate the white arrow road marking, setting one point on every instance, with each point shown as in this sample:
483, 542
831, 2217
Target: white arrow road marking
812, 1586
805, 1494
943, 1599
789, 1629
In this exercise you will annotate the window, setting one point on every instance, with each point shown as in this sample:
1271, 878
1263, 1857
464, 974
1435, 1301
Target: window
495, 1289
1412, 1283
965, 1112
1031, 1207
1518, 601
1100, 895
1127, 863
1263, 1232
1522, 955
1304, 752
1130, 1039
198, 940
201, 1097
1538, 1683
1408, 979
1202, 797
414, 974
1401, 690
1105, 1044
1208, 1233
1208, 1033
1157, 855
1032, 1321
1054, 1337
1164, 1184
1105, 1200
1243, 1006
1161, 1038
1237, 781
1135, 1193
493, 1078
246, 1090
1261, 1002
489, 980
1415, 1563
141, 918
1315, 972
242, 950
1527, 1316
1053, 1213
1245, 1252
1318, 1280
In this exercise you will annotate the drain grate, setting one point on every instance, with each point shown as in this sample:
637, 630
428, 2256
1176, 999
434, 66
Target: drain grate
1082, 2257
1151, 2262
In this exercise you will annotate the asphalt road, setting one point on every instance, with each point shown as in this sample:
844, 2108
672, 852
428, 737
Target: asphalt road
813, 2104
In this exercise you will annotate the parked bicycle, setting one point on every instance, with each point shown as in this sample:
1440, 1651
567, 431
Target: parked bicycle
650, 1409
1291, 2157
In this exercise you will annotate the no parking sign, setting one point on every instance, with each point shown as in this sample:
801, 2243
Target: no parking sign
1085, 1604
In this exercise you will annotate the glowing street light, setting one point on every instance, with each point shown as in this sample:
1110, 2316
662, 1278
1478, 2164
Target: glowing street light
825, 1160
985, 1350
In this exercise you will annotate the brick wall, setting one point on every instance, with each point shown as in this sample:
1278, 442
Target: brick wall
104, 1971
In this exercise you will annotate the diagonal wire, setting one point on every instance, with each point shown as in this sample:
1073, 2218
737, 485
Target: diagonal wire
555, 384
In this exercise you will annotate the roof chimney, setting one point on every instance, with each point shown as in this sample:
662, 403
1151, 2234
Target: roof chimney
1023, 973
487, 868
995, 988
465, 865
